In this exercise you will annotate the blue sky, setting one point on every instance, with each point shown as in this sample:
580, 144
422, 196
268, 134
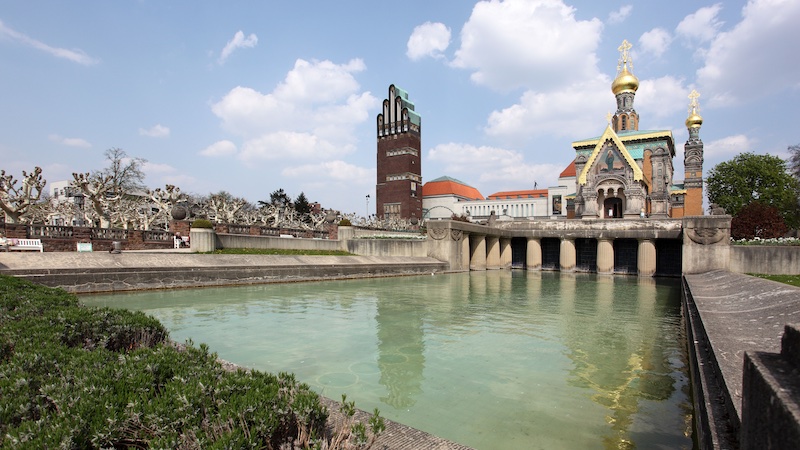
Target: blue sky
249, 97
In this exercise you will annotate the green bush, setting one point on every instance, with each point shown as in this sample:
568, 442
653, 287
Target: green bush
75, 377
202, 223
345, 223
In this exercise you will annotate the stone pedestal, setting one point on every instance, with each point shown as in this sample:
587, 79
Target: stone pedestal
203, 240
706, 243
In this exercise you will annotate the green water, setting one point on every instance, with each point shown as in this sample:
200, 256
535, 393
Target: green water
492, 360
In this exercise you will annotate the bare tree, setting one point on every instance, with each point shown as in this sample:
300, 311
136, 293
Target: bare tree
16, 201
106, 188
794, 161
124, 173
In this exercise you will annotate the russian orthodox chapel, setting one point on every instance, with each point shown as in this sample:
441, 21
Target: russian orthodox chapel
627, 172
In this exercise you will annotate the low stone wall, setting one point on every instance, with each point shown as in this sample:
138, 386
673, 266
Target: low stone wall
107, 272
771, 403
388, 247
285, 243
729, 315
765, 259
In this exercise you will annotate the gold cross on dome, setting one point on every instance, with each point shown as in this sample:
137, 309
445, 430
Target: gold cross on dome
694, 105
625, 57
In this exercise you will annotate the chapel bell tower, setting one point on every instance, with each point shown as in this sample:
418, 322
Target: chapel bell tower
693, 160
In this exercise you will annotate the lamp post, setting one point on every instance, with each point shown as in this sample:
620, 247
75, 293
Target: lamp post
367, 205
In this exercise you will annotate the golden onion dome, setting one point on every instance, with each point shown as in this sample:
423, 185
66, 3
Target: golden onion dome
694, 120
625, 82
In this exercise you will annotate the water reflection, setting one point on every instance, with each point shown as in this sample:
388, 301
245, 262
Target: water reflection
619, 352
400, 351
493, 360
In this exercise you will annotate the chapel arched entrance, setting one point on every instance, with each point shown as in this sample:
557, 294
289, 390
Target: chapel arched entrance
612, 208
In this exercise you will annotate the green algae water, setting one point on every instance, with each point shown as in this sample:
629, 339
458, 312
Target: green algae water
492, 360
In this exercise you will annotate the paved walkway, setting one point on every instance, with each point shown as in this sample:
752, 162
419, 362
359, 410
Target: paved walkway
741, 313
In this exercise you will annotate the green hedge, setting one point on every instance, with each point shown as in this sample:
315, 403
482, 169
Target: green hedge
75, 377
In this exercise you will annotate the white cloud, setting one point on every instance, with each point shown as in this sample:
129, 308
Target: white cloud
428, 39
312, 114
219, 148
660, 98
70, 142
620, 15
756, 57
492, 164
290, 144
152, 168
332, 170
76, 55
655, 41
702, 25
728, 146
238, 41
571, 112
521, 43
156, 131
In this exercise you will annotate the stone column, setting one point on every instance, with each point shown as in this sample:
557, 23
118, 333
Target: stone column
492, 252
605, 256
465, 255
533, 255
505, 253
477, 252
568, 255
646, 258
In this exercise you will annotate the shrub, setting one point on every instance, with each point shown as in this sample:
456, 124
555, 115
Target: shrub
76, 377
202, 223
757, 220
345, 223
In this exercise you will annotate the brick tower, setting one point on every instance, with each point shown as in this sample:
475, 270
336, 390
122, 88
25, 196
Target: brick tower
693, 160
398, 190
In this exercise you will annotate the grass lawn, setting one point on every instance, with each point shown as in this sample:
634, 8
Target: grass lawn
794, 280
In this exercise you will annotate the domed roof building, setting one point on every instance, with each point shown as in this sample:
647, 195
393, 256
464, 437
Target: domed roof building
627, 172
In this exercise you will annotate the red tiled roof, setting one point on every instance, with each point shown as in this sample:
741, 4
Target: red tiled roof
531, 193
569, 171
450, 187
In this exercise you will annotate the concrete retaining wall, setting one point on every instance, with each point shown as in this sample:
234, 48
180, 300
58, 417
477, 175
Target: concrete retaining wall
106, 272
265, 242
765, 259
388, 247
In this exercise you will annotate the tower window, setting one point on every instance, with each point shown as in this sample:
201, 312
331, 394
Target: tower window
624, 122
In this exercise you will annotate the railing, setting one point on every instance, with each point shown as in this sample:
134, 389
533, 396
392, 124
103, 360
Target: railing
156, 235
265, 231
50, 231
109, 234
239, 229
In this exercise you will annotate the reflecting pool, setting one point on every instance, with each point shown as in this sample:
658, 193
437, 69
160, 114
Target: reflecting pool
493, 360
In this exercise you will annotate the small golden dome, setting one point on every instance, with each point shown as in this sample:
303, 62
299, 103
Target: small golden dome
694, 120
625, 82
